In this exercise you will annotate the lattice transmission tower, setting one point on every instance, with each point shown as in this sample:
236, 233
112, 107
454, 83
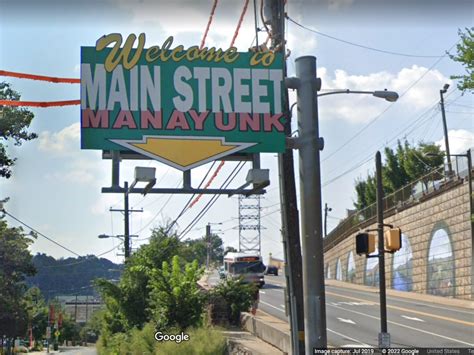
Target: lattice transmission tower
249, 223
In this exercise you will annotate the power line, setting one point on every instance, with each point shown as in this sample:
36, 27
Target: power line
361, 45
39, 233
386, 109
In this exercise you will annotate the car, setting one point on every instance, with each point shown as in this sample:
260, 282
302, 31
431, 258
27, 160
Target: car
271, 270
222, 272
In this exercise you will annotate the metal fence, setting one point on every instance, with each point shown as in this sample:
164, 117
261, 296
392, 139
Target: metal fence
416, 191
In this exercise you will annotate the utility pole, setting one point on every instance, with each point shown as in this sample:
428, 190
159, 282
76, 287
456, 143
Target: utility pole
309, 144
384, 336
126, 210
445, 128
326, 210
208, 242
289, 206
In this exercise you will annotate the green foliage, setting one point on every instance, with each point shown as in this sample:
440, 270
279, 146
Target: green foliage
15, 265
37, 312
14, 122
57, 277
465, 56
196, 249
175, 298
406, 165
238, 295
202, 341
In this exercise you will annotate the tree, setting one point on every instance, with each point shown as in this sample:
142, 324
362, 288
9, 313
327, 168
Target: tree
465, 56
230, 250
408, 164
128, 302
14, 122
175, 298
196, 249
15, 265
37, 311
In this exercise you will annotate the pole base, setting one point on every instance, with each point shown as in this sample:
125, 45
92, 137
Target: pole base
384, 340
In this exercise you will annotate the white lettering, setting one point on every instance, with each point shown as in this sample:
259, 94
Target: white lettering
91, 88
150, 88
259, 90
276, 75
119, 95
202, 74
241, 90
221, 92
183, 88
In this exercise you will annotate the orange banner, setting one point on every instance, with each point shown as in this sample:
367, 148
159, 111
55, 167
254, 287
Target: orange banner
39, 103
40, 77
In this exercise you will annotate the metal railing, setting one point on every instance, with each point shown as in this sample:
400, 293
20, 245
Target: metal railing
416, 191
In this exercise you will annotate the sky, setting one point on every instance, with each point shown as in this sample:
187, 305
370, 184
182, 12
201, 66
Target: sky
56, 186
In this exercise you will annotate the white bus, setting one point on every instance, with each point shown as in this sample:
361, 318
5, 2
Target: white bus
248, 266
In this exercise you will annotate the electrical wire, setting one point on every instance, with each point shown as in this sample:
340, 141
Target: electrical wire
386, 109
361, 45
39, 233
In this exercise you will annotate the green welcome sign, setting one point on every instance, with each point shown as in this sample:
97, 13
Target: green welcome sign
182, 107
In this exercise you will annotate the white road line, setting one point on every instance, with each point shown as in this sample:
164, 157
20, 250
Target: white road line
424, 303
348, 337
406, 326
262, 292
413, 318
282, 305
350, 321
270, 305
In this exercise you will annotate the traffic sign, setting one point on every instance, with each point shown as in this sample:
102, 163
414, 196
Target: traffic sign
181, 107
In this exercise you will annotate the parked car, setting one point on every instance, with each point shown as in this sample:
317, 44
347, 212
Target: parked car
273, 270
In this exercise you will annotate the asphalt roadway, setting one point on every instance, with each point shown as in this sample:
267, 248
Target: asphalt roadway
353, 318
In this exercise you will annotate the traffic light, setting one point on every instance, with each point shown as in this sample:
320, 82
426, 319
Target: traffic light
393, 240
365, 243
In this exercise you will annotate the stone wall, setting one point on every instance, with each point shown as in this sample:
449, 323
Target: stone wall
438, 258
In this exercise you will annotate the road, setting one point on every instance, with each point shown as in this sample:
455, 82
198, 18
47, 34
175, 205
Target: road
353, 318
69, 350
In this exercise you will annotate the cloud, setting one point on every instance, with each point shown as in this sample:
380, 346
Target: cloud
364, 108
63, 143
460, 140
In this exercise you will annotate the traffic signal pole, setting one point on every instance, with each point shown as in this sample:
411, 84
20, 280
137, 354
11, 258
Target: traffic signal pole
384, 336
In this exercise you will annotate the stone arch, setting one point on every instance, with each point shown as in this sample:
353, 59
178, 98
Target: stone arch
339, 269
351, 267
440, 261
402, 267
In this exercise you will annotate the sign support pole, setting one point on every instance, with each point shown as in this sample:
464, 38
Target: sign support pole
310, 193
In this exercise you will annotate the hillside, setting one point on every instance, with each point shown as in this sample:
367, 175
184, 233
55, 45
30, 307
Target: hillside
71, 276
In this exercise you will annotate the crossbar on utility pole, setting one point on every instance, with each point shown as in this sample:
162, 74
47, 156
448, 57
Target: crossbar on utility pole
310, 193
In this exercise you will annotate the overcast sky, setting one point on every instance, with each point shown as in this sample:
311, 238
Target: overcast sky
56, 186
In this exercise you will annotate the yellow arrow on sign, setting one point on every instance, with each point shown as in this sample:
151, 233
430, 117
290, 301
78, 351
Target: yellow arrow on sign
183, 152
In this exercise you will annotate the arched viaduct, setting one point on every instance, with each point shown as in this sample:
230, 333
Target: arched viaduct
437, 235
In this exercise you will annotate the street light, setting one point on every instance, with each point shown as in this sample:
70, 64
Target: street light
445, 128
390, 96
308, 84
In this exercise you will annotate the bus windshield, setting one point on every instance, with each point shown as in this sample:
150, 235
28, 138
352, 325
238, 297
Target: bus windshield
244, 267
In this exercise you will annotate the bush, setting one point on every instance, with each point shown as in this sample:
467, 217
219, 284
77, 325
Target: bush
205, 341
238, 296
202, 341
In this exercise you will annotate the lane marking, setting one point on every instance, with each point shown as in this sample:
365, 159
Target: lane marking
270, 305
350, 321
408, 310
263, 292
413, 318
406, 326
416, 303
282, 305
348, 337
